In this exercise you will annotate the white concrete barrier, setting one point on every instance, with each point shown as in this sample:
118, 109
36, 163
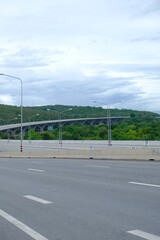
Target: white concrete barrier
122, 153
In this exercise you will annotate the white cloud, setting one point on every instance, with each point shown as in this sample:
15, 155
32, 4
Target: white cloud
7, 99
70, 52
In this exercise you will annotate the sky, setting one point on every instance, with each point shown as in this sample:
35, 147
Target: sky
73, 52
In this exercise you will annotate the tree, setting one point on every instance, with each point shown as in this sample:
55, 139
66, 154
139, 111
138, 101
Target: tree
103, 133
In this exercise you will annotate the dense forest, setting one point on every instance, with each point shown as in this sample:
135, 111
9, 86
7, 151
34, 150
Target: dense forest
141, 125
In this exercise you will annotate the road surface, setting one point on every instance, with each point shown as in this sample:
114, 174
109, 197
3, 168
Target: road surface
79, 199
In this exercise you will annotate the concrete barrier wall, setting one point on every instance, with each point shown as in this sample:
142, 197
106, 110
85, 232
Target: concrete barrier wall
109, 153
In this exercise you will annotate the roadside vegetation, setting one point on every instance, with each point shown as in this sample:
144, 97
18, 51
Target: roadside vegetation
141, 125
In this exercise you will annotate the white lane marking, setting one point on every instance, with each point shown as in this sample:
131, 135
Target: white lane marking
97, 166
144, 235
22, 226
36, 170
37, 199
145, 184
36, 162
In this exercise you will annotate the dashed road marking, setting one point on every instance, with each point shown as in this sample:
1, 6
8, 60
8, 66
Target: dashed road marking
35, 162
144, 235
145, 184
36, 170
35, 235
97, 166
37, 199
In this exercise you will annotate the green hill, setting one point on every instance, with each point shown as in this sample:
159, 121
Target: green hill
141, 125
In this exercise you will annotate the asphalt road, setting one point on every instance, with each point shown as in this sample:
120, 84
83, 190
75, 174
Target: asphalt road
79, 199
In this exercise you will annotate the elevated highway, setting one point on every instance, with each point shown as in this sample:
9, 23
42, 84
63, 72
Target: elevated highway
42, 126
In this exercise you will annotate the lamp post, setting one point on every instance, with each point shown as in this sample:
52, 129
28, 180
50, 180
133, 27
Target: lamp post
108, 119
60, 125
2, 74
60, 128
29, 127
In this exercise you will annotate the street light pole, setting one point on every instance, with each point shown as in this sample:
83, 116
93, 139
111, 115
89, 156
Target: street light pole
29, 127
2, 74
109, 125
60, 128
60, 124
59, 121
108, 119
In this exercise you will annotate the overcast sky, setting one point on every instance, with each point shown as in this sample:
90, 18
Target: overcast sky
73, 51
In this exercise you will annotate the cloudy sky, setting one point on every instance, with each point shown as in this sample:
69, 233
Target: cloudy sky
71, 52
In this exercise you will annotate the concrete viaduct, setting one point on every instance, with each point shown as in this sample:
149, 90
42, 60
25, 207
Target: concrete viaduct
41, 126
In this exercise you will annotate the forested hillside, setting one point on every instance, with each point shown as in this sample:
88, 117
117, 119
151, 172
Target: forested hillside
140, 126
